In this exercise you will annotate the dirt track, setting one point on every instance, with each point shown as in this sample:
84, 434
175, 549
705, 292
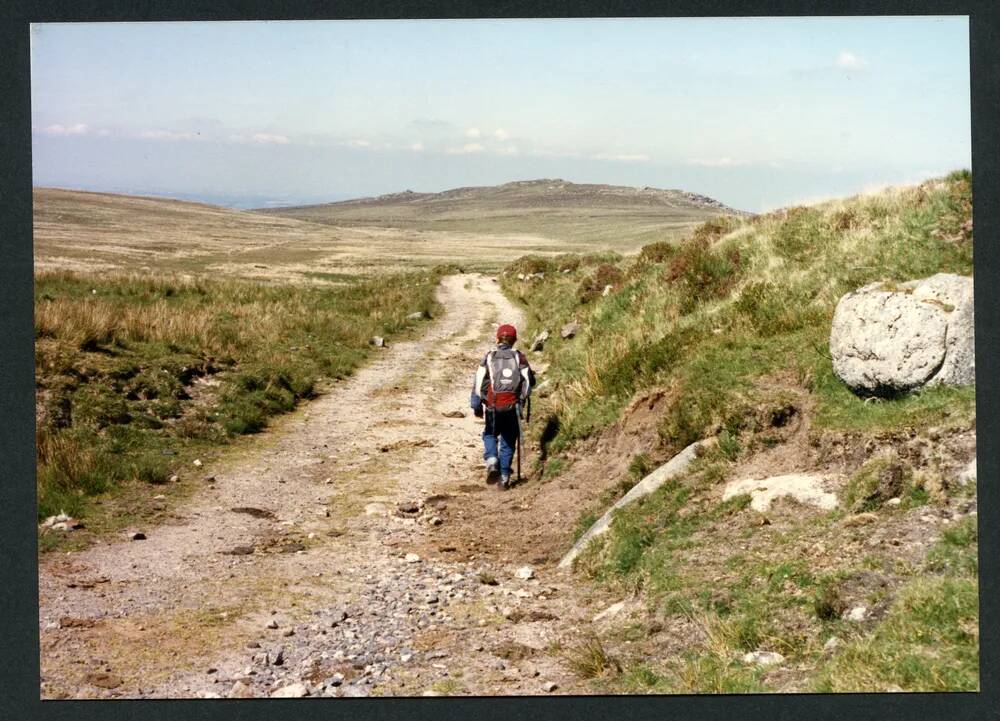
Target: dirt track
185, 612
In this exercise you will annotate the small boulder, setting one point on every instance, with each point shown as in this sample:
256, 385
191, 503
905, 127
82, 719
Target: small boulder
549, 686
539, 342
240, 690
411, 558
408, 507
856, 614
968, 474
295, 690
763, 658
525, 573
378, 341
569, 330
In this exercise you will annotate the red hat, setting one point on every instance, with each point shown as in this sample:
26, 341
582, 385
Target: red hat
507, 330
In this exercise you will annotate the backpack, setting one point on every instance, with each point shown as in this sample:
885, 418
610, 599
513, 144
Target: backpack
503, 379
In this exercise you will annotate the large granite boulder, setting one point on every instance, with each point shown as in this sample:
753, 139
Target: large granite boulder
892, 338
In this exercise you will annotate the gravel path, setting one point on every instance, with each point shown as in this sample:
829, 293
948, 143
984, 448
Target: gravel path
347, 568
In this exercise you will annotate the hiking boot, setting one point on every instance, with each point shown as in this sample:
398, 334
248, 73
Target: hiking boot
492, 470
504, 482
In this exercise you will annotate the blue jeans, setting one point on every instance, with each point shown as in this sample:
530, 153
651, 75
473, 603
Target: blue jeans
500, 430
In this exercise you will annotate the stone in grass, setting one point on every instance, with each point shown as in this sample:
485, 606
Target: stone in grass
240, 690
858, 613
295, 690
569, 330
408, 506
549, 686
378, 341
525, 573
763, 658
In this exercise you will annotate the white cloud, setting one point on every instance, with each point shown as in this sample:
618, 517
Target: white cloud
466, 149
417, 147
849, 61
500, 134
622, 158
717, 162
473, 133
57, 129
259, 138
166, 135
269, 138
507, 150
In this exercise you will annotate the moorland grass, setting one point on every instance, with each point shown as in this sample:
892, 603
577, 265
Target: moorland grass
122, 362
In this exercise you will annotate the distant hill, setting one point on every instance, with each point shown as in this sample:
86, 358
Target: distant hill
610, 216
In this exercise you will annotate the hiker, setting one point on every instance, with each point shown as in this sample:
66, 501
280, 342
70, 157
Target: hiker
502, 385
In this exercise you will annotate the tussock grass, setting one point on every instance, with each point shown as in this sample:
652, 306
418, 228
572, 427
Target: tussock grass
590, 659
122, 362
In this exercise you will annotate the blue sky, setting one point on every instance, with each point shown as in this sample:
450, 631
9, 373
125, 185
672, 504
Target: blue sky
758, 113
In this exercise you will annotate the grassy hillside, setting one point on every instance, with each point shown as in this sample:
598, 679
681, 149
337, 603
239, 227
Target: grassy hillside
137, 375
580, 215
725, 335
83, 231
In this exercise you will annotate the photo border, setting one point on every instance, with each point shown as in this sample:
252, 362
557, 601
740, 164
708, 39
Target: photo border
19, 698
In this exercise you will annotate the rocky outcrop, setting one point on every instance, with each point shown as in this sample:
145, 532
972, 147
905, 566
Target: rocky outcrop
888, 339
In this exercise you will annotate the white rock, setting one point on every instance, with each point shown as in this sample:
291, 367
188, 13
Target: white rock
376, 509
968, 474
549, 686
240, 690
763, 658
804, 488
210, 694
295, 690
411, 558
831, 644
897, 339
525, 573
613, 610
197, 462
894, 501
858, 613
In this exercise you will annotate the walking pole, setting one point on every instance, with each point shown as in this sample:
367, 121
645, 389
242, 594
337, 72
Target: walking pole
520, 439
